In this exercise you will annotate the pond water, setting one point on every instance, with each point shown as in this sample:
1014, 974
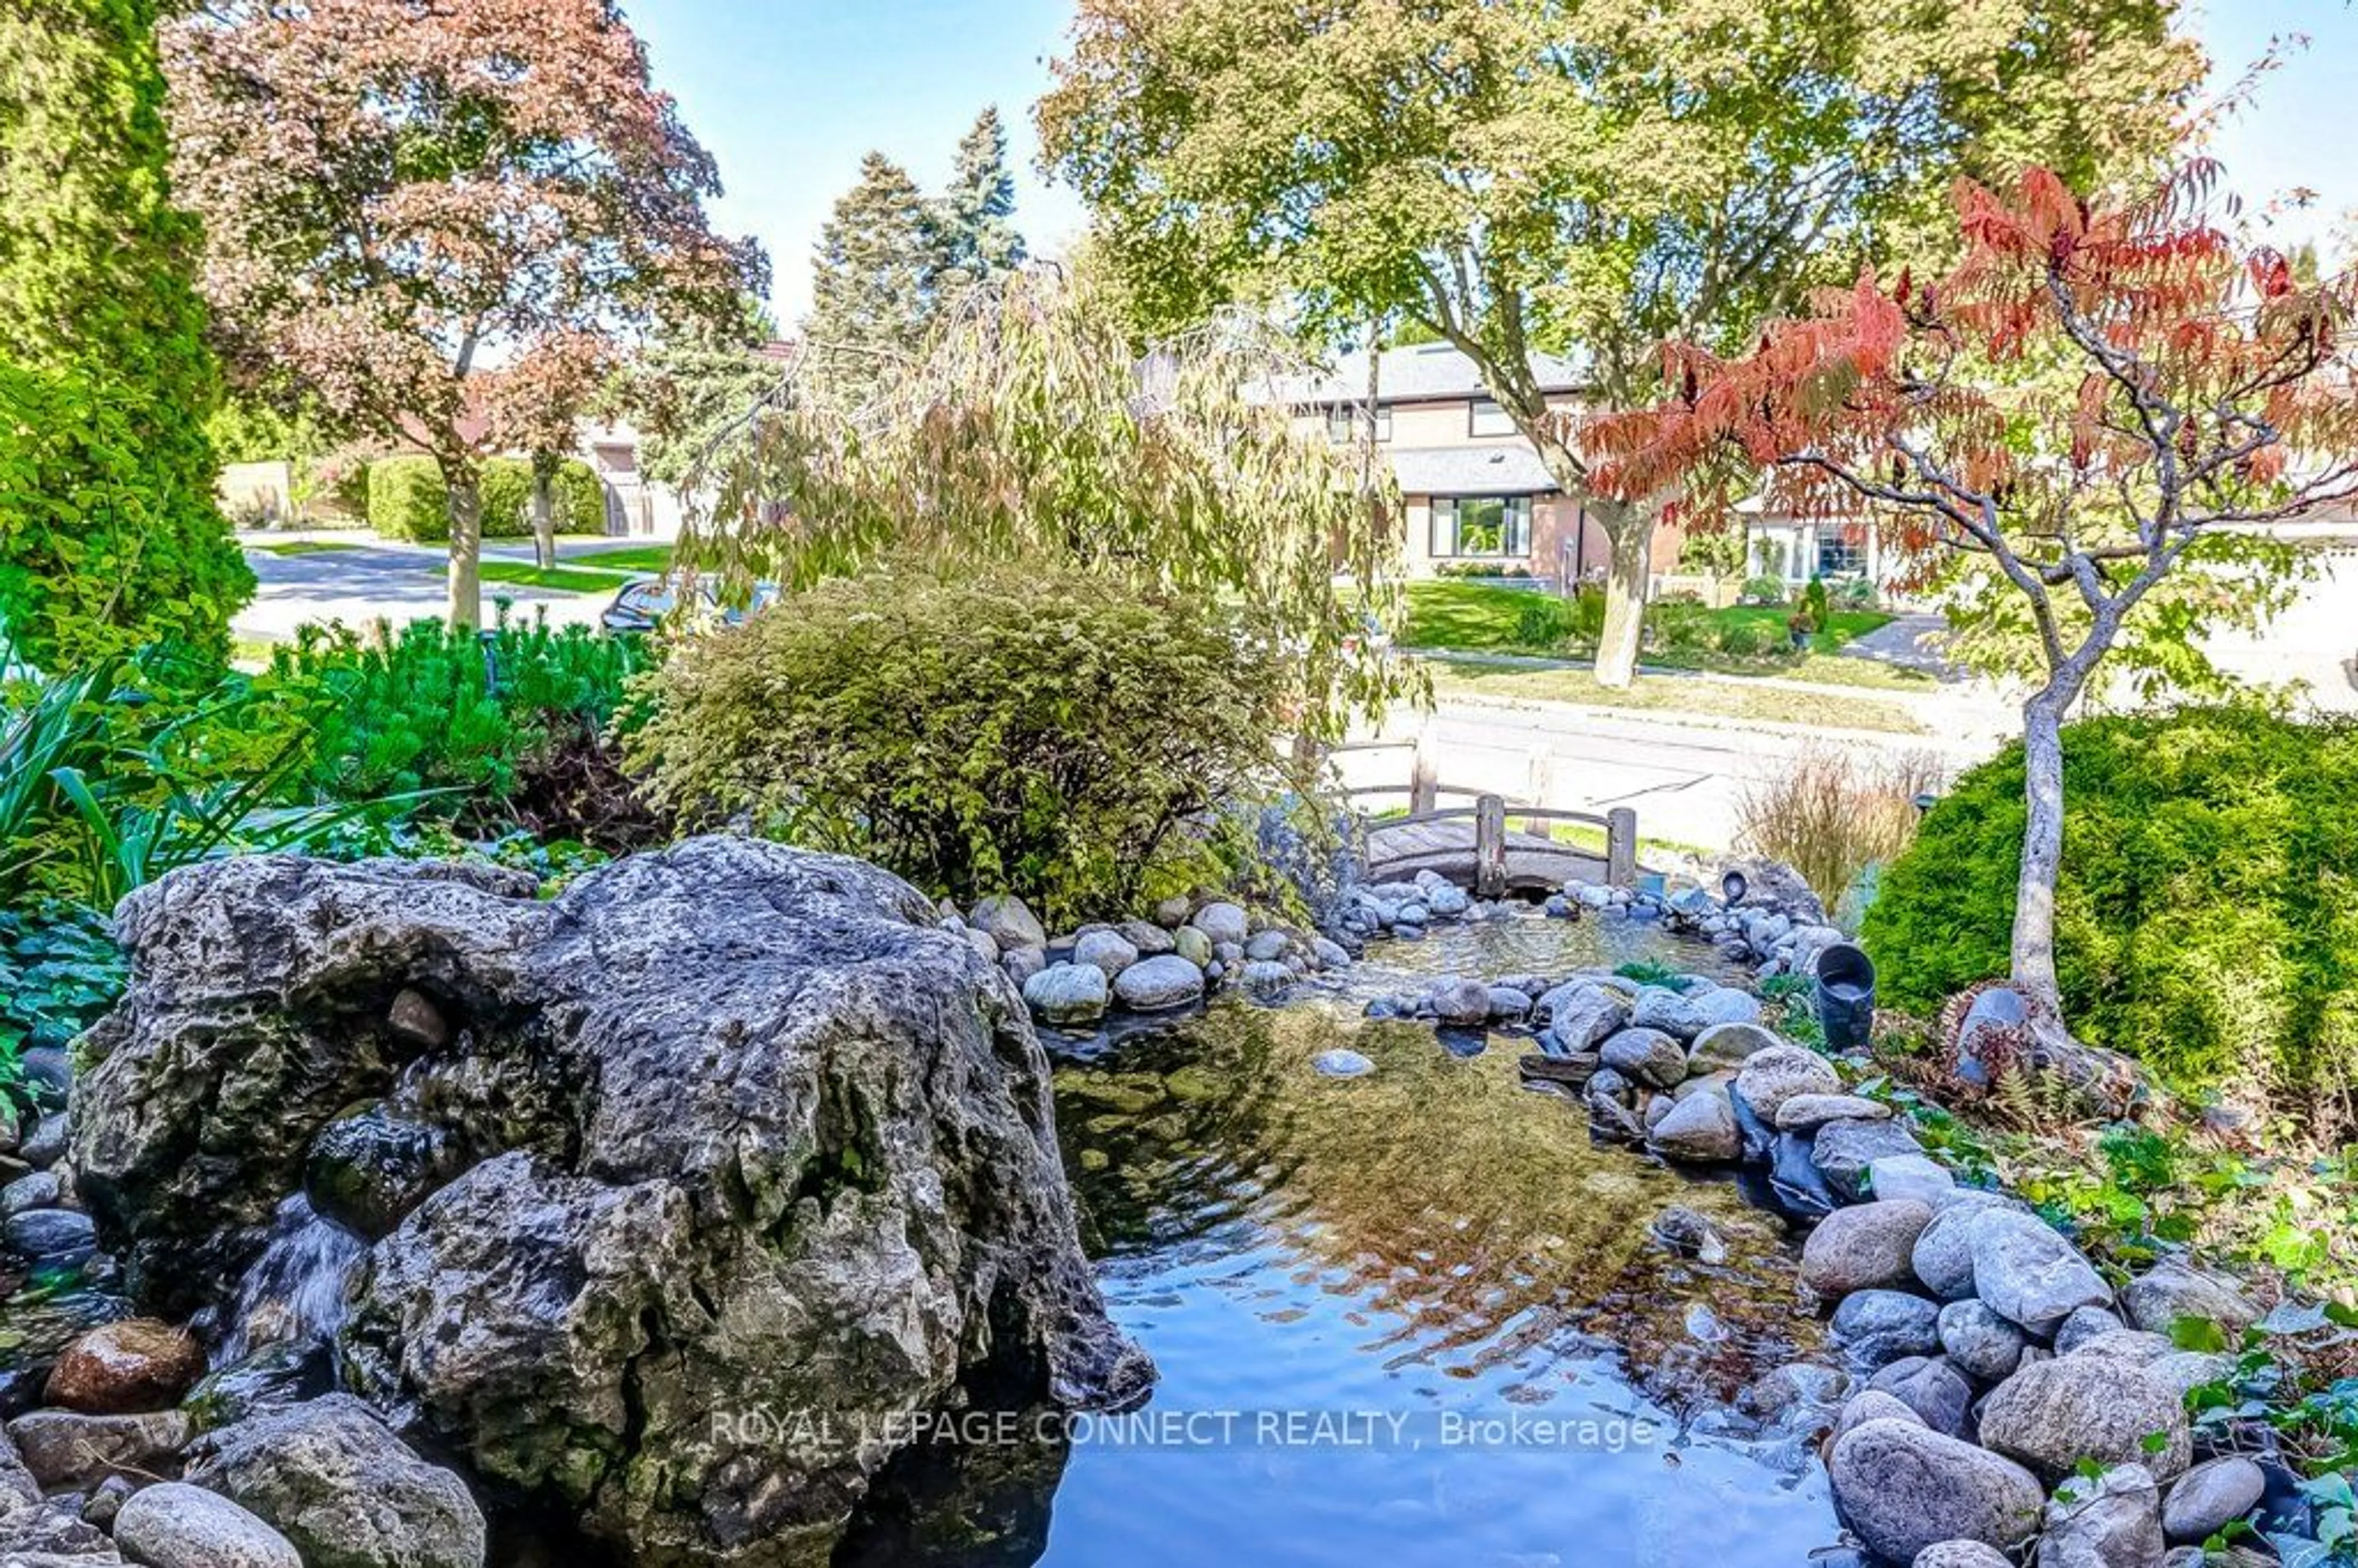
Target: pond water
1411, 1318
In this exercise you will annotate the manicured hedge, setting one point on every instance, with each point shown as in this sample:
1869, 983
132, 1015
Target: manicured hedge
407, 499
2207, 915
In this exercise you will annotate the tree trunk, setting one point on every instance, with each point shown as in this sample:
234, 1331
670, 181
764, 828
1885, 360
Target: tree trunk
460, 482
1630, 531
2042, 850
544, 516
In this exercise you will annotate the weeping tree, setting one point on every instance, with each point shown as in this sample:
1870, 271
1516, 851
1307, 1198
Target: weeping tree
2088, 429
1028, 428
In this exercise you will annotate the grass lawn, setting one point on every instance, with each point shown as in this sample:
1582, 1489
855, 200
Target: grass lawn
1668, 694
629, 558
1486, 618
306, 548
565, 578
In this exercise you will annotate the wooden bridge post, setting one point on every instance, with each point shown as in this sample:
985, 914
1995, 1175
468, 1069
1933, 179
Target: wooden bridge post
1490, 846
1539, 787
1424, 774
1621, 847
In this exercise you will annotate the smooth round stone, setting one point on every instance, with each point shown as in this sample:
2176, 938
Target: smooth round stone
1865, 1247
1698, 1128
1108, 951
2028, 1271
1066, 994
1961, 1554
1265, 977
1730, 1045
1648, 1055
1980, 1343
123, 1368
1807, 1113
1770, 1078
1917, 1176
2053, 1414
1931, 1387
1222, 922
1341, 1064
1191, 945
49, 1232
1903, 1486
1878, 1326
1153, 985
1845, 1149
2210, 1497
1263, 947
1463, 1002
2085, 1324
173, 1525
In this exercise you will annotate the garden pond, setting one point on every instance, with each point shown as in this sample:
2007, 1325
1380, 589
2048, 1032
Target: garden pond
1414, 1317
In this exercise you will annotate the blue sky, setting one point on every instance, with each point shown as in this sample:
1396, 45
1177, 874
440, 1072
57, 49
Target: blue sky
788, 94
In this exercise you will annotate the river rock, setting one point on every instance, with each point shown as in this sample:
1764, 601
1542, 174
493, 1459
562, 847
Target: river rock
1870, 1404
1149, 939
1157, 985
1222, 922
2210, 1496
124, 1368
2083, 1325
46, 1144
1845, 1149
178, 1526
1341, 1064
349, 1494
1807, 1113
1928, 1385
1193, 946
1068, 995
1918, 1176
1772, 1077
1509, 1005
1107, 951
1944, 1253
48, 1232
1645, 1056
1877, 1326
40, 1189
2050, 1415
1730, 1045
2112, 1521
769, 1140
1265, 978
1672, 1012
1865, 1247
1008, 921
2027, 1272
1723, 1005
1902, 1486
1698, 1128
67, 1449
2183, 1370
1270, 946
2156, 1298
1579, 1016
1683, 1231
1984, 1346
1459, 1002
367, 1170
1961, 1554
49, 1535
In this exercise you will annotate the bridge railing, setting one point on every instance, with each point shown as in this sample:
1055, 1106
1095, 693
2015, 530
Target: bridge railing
1489, 813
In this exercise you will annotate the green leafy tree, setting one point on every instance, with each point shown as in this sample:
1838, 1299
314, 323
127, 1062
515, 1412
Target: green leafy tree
1577, 177
872, 280
976, 215
691, 381
109, 534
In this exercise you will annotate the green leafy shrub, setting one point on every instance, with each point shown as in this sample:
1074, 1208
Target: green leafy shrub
105, 547
430, 709
407, 499
2207, 911
59, 971
1043, 732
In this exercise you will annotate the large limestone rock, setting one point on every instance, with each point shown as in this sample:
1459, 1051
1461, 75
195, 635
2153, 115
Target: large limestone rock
1902, 1486
744, 1134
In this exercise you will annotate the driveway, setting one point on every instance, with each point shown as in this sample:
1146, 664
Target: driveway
361, 578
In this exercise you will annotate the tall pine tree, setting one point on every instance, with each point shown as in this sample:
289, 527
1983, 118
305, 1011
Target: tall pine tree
976, 215
109, 534
872, 284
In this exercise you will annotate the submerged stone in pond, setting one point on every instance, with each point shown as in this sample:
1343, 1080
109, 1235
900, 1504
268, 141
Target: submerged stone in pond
1339, 1064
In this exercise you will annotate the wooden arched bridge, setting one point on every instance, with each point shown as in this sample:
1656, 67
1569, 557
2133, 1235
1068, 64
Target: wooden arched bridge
1492, 846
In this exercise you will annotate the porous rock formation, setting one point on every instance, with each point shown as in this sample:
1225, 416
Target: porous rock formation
735, 1158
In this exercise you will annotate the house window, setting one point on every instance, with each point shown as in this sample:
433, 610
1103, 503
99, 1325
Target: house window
1486, 417
1841, 551
1481, 525
1344, 426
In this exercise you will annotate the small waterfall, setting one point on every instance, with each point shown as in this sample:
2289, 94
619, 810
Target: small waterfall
294, 1290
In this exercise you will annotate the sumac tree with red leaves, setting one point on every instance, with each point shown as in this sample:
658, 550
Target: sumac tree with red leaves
401, 194
2096, 417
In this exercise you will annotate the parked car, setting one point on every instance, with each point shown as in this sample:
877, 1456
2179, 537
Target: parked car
643, 604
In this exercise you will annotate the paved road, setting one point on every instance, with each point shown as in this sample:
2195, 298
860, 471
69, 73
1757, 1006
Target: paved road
375, 578
1683, 778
